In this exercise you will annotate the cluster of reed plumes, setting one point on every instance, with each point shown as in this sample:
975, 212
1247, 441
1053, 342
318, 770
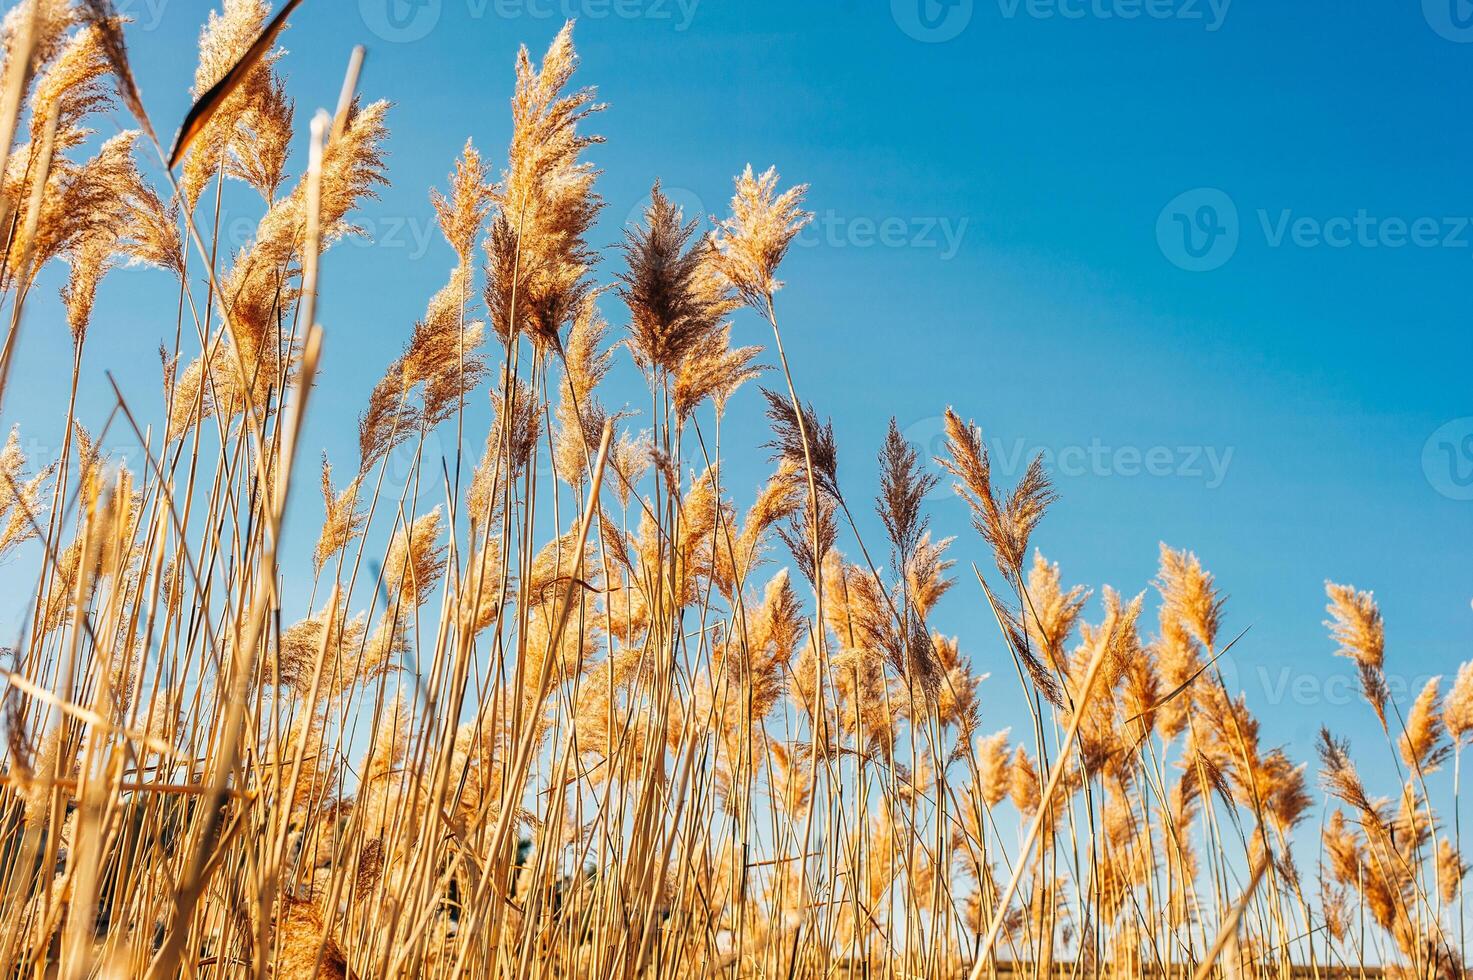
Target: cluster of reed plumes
557, 711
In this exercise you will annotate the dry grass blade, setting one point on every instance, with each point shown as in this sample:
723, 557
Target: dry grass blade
199, 114
1024, 860
1232, 922
15, 91
85, 715
33, 214
1182, 688
1017, 638
349, 93
312, 248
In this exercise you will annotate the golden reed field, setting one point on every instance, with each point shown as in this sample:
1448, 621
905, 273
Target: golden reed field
570, 717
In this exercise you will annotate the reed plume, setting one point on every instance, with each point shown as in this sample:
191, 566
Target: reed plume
538, 260
751, 244
1357, 627
1458, 708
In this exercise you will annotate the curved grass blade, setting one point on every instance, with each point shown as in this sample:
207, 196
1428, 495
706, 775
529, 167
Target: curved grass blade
1189, 681
103, 15
199, 115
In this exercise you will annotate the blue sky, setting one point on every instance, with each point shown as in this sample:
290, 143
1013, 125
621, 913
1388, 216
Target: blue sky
1003, 201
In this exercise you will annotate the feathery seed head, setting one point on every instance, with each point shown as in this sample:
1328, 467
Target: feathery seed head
670, 313
904, 486
1189, 595
1054, 613
414, 563
1457, 710
539, 261
750, 245
1356, 625
463, 213
994, 768
1423, 744
1007, 525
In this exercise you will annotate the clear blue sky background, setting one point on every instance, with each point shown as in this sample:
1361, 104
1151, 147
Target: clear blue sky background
1050, 149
